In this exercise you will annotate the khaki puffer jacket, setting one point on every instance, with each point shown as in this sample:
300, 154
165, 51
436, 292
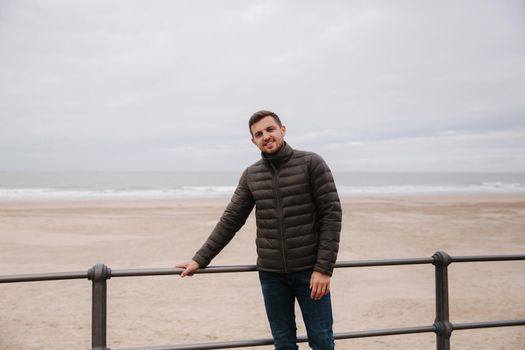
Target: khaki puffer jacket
298, 214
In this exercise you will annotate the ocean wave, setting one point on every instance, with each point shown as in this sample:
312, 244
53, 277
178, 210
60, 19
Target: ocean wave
51, 193
484, 188
227, 191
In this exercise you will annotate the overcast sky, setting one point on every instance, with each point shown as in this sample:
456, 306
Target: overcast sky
169, 85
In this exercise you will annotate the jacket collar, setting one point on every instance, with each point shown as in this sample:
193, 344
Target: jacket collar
279, 157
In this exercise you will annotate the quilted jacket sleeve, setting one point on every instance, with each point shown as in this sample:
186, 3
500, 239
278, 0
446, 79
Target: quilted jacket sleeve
230, 222
329, 214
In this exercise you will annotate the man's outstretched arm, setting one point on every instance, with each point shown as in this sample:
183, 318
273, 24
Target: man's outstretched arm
231, 221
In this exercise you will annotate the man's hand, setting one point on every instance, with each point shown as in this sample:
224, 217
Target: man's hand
320, 285
189, 267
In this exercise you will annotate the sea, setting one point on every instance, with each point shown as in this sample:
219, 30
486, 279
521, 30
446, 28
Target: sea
16, 186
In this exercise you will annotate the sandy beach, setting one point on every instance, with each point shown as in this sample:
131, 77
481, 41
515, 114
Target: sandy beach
59, 236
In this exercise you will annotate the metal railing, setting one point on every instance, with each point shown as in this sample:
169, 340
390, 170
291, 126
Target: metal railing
442, 327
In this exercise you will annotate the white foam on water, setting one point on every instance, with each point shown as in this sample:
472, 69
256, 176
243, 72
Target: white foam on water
485, 188
50, 193
9, 194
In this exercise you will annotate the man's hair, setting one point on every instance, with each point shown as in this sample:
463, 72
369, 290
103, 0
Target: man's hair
257, 116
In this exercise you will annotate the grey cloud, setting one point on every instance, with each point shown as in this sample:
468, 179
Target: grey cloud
103, 77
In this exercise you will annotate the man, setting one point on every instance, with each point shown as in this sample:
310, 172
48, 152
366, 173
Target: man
298, 217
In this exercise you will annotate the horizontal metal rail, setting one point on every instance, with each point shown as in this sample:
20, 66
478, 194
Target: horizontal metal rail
38, 277
246, 268
177, 271
483, 258
337, 336
442, 327
300, 339
488, 324
385, 262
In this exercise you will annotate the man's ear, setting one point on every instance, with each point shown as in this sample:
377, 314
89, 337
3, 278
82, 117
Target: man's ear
283, 129
253, 141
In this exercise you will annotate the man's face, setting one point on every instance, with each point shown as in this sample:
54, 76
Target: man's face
267, 135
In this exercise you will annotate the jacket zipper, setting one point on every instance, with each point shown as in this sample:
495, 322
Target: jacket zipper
279, 213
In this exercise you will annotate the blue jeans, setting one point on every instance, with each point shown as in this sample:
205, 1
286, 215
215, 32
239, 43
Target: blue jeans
280, 292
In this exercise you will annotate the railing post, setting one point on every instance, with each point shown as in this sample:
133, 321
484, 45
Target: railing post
99, 274
443, 327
